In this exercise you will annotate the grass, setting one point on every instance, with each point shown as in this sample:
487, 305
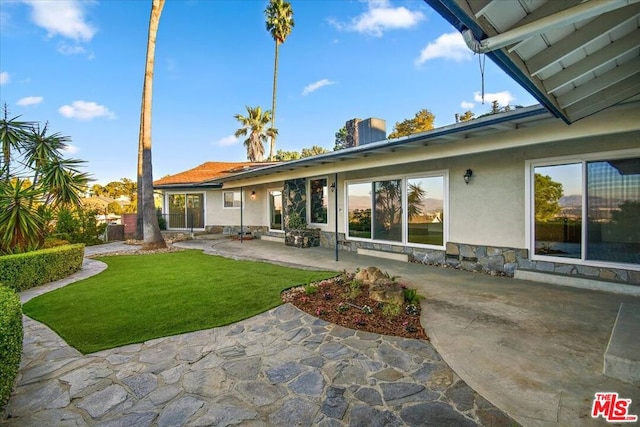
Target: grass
141, 297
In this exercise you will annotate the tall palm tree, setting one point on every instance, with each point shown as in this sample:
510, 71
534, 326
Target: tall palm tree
254, 124
279, 23
146, 208
12, 137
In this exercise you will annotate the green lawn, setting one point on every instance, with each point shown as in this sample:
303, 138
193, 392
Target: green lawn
140, 297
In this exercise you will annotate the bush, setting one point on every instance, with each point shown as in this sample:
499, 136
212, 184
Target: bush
10, 341
24, 271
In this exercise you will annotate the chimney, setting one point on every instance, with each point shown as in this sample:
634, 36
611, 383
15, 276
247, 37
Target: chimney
360, 132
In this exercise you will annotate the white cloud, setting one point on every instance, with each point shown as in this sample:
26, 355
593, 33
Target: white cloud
227, 140
70, 149
466, 105
315, 86
447, 46
67, 49
85, 110
30, 100
62, 17
4, 78
504, 98
380, 17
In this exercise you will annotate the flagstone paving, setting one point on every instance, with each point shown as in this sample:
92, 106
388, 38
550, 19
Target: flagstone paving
283, 367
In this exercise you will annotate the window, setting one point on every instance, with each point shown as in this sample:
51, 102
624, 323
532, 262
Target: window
231, 199
425, 210
588, 210
275, 210
186, 211
407, 210
318, 201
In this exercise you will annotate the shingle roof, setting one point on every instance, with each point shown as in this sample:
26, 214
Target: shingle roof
206, 172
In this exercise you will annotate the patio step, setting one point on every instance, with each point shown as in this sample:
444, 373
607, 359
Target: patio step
622, 357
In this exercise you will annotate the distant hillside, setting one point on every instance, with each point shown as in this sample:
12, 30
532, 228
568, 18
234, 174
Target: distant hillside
364, 202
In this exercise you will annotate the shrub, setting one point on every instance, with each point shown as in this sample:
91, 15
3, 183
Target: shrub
10, 341
391, 310
24, 271
411, 296
354, 289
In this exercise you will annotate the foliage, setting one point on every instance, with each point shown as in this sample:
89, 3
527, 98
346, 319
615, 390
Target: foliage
355, 289
284, 156
296, 222
547, 197
10, 341
412, 309
116, 189
78, 226
391, 310
367, 309
37, 181
421, 122
411, 296
341, 139
255, 124
313, 151
465, 117
279, 22
141, 297
24, 271
310, 289
414, 198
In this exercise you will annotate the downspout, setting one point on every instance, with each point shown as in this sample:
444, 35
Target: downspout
335, 202
557, 20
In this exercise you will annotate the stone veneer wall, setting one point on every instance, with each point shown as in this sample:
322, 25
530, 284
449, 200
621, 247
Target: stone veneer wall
294, 199
487, 259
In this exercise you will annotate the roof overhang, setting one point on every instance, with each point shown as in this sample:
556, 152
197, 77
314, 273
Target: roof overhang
576, 57
518, 118
187, 186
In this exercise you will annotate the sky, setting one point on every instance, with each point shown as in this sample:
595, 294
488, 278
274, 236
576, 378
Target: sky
79, 65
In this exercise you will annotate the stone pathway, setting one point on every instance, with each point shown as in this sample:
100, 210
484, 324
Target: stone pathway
283, 368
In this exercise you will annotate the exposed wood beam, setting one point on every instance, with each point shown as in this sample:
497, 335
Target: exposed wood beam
599, 27
604, 99
610, 78
603, 56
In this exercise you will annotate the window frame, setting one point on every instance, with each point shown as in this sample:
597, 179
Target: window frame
275, 230
444, 173
167, 195
241, 199
308, 219
581, 159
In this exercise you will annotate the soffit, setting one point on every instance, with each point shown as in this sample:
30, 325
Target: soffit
576, 57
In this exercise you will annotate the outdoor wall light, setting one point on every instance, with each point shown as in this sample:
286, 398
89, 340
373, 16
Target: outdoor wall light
333, 186
253, 195
467, 176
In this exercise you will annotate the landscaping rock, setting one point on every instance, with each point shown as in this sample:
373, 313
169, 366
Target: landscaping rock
387, 291
370, 275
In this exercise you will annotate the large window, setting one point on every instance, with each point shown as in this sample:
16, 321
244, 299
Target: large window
408, 210
275, 210
588, 209
318, 201
186, 211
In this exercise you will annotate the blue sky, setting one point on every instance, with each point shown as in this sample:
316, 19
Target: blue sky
79, 65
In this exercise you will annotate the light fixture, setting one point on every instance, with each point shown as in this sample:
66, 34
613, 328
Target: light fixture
253, 195
467, 176
333, 186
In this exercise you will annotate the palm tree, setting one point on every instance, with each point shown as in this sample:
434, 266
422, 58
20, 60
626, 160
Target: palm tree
12, 137
279, 23
254, 124
146, 208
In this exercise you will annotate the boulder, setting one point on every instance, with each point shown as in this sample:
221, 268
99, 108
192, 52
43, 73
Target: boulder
370, 275
387, 291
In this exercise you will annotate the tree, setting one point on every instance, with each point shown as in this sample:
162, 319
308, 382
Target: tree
421, 122
547, 197
254, 124
279, 23
341, 139
151, 231
43, 183
313, 151
465, 117
285, 156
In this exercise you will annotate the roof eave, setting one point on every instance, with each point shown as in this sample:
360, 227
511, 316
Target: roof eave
457, 17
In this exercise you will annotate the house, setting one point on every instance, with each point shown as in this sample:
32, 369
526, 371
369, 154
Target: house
546, 192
